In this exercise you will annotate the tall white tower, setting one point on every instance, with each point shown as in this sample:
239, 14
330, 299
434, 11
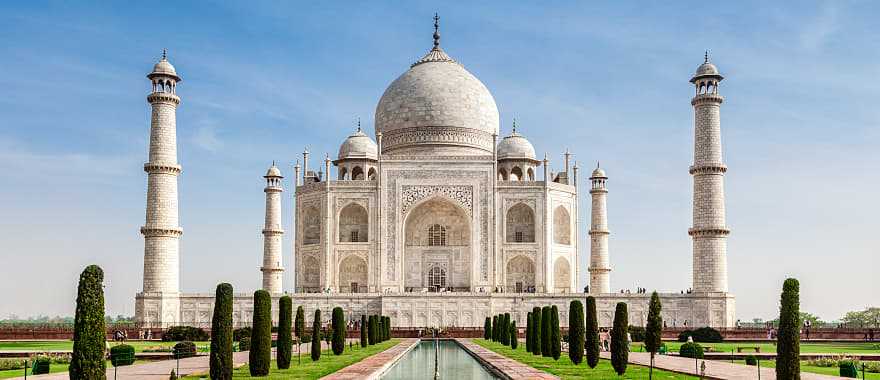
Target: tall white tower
161, 230
159, 301
709, 230
600, 268
272, 232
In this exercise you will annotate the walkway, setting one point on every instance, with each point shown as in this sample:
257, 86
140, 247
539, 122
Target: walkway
373, 366
509, 367
714, 369
159, 370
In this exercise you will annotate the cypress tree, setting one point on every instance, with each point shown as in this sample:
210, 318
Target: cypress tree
653, 329
285, 342
576, 332
371, 330
529, 332
387, 328
536, 331
514, 338
591, 340
221, 334
316, 336
619, 351
89, 333
299, 326
495, 328
363, 330
339, 331
505, 329
555, 333
381, 329
788, 346
260, 355
487, 329
546, 334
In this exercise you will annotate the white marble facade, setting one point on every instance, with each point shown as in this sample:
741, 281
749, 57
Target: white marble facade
439, 221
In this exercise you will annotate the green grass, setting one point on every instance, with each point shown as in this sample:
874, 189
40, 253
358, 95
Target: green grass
806, 348
62, 345
565, 369
328, 363
833, 371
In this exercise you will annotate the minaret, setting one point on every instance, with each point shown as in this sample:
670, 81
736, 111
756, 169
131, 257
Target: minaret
272, 233
709, 229
161, 230
600, 268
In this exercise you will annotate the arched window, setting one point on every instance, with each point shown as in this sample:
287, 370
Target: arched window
520, 224
436, 235
357, 173
531, 174
311, 226
437, 277
502, 174
353, 224
516, 174
371, 174
342, 173
561, 275
561, 226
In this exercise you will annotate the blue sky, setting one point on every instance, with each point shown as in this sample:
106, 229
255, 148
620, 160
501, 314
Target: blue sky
607, 80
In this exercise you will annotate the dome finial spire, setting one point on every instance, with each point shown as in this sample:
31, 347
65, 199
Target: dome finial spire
706, 57
514, 126
436, 30
164, 54
359, 123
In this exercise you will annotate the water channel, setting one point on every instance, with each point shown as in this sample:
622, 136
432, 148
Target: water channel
453, 362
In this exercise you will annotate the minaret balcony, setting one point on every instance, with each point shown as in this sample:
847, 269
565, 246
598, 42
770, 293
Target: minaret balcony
707, 98
161, 231
162, 168
163, 97
708, 231
713, 168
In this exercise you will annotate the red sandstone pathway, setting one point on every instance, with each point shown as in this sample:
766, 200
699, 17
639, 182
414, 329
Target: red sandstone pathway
714, 369
159, 370
373, 366
509, 367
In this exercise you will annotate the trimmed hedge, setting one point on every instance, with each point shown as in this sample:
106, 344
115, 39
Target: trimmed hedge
371, 329
555, 333
537, 326
184, 350
237, 334
339, 332
701, 335
637, 333
848, 369
220, 362
788, 342
299, 324
316, 336
244, 344
181, 333
619, 341
487, 329
751, 360
89, 331
691, 350
284, 350
546, 335
121, 355
42, 364
364, 340
260, 356
529, 332
514, 338
576, 332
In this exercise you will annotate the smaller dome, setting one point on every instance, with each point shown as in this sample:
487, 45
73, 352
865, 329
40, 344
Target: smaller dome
273, 172
598, 173
515, 146
706, 69
358, 145
163, 67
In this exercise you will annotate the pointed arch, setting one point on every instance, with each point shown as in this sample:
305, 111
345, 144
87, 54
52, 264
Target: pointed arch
343, 172
516, 174
502, 174
562, 275
357, 173
520, 276
353, 224
352, 275
371, 174
531, 174
561, 226
311, 225
520, 224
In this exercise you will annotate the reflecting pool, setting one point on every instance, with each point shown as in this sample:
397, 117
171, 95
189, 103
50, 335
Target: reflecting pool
454, 363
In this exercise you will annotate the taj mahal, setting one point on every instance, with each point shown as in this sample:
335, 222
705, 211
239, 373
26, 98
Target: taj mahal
436, 218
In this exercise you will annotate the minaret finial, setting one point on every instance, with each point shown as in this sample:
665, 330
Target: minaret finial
597, 164
359, 123
273, 162
164, 54
706, 57
514, 126
436, 30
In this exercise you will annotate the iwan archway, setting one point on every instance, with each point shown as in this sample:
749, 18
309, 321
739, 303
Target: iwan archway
437, 247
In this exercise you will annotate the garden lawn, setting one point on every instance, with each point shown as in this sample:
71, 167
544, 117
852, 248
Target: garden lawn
565, 369
806, 347
833, 371
67, 345
328, 363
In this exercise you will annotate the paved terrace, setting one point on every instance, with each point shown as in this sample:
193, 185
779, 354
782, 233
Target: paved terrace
714, 369
373, 366
513, 369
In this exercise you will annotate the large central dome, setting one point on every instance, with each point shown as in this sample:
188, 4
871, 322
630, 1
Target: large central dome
437, 108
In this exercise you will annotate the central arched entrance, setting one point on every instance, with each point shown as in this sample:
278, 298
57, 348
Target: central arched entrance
438, 247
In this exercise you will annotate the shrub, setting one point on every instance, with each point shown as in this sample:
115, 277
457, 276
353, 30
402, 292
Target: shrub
371, 330
546, 327
701, 335
316, 336
9, 364
537, 326
637, 333
487, 328
788, 349
514, 338
653, 331
338, 331
185, 350
555, 334
529, 332
42, 364
121, 355
222, 334
495, 328
181, 333
576, 332
591, 327
848, 369
299, 325
238, 333
691, 350
260, 355
751, 360
306, 338
619, 343
244, 344
387, 328
173, 375
285, 325
363, 330
89, 331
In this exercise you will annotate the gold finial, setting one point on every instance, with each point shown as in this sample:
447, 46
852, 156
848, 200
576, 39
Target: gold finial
359, 123
436, 30
164, 54
514, 126
706, 57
